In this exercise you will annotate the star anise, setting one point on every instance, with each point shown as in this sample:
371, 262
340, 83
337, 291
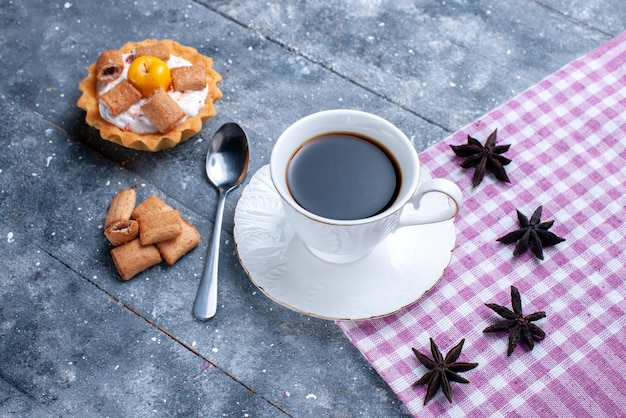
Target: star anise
484, 158
533, 234
520, 326
442, 370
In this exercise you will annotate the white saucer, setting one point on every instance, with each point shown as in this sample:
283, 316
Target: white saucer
395, 274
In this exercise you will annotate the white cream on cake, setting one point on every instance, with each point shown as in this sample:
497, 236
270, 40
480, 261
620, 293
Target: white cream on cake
133, 119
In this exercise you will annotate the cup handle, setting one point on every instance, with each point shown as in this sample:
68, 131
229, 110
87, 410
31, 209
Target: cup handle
413, 216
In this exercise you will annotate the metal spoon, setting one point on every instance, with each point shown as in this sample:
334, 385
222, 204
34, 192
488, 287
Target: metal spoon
226, 167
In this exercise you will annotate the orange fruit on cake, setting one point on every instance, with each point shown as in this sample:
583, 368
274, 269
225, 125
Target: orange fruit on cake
150, 95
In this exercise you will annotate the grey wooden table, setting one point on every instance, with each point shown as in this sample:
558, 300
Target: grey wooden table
75, 340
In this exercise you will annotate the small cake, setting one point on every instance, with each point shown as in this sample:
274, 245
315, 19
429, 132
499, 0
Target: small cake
150, 95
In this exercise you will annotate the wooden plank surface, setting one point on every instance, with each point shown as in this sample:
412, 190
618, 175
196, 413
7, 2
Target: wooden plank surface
74, 340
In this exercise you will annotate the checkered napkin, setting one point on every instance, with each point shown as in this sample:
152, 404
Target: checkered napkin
568, 145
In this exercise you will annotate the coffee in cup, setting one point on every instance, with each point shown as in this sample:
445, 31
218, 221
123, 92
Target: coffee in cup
343, 176
347, 179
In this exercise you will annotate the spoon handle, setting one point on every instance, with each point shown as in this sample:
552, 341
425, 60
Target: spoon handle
205, 304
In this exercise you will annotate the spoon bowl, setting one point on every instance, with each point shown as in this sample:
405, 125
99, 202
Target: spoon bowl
226, 166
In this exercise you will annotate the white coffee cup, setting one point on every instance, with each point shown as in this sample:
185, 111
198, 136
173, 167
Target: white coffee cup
344, 241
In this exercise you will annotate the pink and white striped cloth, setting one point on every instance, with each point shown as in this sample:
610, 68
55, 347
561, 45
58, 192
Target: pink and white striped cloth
568, 136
